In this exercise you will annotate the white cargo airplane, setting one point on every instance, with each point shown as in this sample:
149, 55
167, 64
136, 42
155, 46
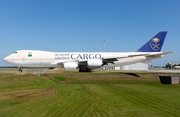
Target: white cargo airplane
86, 61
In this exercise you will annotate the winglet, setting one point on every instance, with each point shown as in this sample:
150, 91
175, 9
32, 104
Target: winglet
155, 43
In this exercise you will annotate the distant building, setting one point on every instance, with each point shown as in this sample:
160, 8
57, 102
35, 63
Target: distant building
176, 67
174, 63
137, 66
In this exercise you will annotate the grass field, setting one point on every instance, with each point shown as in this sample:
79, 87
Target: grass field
86, 94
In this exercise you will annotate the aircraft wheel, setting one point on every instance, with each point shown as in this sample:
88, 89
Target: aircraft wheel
89, 70
20, 70
80, 70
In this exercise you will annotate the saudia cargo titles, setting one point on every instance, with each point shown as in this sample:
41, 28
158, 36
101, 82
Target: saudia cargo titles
89, 60
77, 56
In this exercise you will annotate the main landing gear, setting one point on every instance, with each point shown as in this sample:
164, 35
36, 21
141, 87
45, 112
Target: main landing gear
85, 70
20, 70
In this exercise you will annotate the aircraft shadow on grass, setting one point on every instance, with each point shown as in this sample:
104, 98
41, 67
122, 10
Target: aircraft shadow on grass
132, 74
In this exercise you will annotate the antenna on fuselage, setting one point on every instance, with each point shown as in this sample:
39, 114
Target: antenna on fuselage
103, 45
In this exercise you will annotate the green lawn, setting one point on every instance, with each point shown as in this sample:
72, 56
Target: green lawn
87, 95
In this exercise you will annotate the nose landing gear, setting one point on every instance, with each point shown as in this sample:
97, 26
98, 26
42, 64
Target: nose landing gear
20, 70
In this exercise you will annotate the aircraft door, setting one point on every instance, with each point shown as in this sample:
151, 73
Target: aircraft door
23, 60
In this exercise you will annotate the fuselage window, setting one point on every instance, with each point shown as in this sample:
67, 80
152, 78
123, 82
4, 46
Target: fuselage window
15, 52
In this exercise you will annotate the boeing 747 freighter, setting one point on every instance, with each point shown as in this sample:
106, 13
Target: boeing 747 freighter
86, 61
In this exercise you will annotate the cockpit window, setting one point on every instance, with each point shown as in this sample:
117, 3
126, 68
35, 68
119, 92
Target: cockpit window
15, 52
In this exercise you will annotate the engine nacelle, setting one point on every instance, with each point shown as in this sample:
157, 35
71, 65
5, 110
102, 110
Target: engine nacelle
70, 66
94, 63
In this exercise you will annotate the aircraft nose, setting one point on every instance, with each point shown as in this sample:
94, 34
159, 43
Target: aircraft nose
6, 59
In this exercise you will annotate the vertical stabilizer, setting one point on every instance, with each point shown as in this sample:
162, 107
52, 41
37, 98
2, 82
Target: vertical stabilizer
154, 44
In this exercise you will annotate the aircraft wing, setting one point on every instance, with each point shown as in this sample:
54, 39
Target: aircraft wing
135, 55
120, 57
112, 59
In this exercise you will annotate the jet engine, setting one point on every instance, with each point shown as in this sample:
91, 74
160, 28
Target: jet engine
94, 63
70, 66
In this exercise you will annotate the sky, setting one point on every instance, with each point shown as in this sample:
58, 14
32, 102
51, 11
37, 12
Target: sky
82, 25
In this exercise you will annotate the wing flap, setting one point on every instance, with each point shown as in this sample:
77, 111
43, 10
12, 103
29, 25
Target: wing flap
159, 54
114, 57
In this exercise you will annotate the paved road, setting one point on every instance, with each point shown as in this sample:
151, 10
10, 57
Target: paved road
167, 71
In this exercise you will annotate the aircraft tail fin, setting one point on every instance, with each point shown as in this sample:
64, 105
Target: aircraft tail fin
154, 44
